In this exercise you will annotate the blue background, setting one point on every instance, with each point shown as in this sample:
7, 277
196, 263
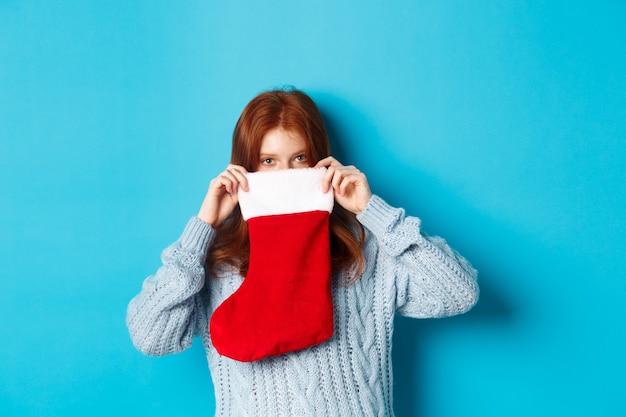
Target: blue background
500, 124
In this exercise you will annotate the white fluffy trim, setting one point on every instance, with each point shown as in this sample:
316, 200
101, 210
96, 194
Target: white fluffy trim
284, 191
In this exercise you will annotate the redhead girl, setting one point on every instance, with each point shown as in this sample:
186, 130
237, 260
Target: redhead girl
381, 262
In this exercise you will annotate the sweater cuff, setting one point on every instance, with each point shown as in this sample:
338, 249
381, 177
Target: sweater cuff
197, 235
379, 217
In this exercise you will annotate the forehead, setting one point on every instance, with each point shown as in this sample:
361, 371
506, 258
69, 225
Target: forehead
279, 140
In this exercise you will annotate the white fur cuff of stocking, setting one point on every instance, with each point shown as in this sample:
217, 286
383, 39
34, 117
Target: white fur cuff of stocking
285, 191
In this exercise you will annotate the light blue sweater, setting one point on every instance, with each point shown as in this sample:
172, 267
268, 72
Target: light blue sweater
348, 375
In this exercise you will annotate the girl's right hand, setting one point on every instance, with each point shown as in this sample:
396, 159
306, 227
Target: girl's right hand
221, 197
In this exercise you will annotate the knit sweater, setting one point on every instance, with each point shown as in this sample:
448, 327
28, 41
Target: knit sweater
350, 374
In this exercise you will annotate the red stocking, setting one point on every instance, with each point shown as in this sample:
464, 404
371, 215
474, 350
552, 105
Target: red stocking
284, 303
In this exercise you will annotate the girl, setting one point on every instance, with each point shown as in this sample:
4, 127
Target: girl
381, 265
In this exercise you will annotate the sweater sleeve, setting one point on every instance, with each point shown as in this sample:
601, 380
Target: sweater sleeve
430, 278
162, 318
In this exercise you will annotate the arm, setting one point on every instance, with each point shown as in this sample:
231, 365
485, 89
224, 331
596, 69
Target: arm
431, 279
162, 318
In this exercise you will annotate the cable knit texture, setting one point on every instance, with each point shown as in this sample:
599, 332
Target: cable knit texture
348, 375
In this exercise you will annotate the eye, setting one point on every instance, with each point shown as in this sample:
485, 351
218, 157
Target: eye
267, 161
301, 158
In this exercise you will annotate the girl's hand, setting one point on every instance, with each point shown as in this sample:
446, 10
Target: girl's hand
350, 185
221, 198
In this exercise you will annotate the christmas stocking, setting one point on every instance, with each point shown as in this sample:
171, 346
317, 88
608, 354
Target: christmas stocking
285, 302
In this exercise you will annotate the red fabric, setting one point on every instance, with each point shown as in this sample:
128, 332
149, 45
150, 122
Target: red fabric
285, 302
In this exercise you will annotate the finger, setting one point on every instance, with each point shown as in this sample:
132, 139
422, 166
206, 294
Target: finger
322, 163
343, 185
227, 184
234, 197
340, 174
229, 180
238, 168
351, 175
218, 185
239, 173
350, 180
327, 162
327, 179
337, 178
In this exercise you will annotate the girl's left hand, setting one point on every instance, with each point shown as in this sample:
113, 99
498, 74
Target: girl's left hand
350, 185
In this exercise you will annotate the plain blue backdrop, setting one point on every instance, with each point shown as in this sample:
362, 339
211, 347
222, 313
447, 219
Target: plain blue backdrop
500, 124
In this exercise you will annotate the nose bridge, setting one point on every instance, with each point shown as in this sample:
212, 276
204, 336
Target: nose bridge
280, 164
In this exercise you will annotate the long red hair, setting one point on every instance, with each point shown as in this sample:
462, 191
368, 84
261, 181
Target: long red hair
291, 110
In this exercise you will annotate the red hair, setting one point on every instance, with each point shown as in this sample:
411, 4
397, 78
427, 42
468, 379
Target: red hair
294, 111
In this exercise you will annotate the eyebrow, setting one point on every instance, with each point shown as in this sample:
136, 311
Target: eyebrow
268, 154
